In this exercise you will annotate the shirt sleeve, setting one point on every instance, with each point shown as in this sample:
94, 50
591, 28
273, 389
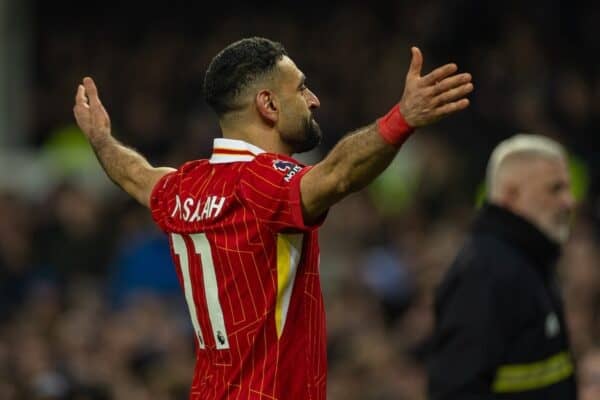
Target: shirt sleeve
470, 335
270, 187
159, 204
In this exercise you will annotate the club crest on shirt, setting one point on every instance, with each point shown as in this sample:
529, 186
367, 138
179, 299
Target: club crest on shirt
289, 168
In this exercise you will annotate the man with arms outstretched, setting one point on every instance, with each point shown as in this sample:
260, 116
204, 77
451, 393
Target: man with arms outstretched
243, 224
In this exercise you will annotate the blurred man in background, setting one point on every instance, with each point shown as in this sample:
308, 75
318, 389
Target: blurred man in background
243, 225
500, 329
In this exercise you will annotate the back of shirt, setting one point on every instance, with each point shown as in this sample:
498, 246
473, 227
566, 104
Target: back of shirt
248, 266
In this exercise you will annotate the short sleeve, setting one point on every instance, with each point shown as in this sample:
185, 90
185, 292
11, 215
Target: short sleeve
270, 186
159, 198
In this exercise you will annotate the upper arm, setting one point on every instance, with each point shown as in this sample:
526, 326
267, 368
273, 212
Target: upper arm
158, 194
147, 180
320, 188
351, 165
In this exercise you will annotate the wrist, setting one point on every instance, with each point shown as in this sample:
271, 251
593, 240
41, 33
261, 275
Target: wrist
393, 128
99, 141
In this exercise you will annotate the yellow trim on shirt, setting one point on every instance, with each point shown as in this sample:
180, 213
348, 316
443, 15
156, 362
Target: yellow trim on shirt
283, 278
522, 377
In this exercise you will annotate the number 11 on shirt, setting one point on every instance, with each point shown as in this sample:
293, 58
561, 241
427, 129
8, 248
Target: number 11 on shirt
201, 248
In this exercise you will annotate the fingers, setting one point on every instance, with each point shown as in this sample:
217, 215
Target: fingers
451, 83
80, 97
453, 88
91, 91
451, 108
416, 63
81, 106
455, 93
439, 74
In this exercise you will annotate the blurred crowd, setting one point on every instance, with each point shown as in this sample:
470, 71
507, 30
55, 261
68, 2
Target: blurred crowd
90, 306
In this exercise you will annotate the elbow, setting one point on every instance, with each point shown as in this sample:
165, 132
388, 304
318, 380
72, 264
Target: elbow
335, 183
343, 188
345, 185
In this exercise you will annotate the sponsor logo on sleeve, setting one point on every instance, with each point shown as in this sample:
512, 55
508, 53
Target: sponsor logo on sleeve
288, 168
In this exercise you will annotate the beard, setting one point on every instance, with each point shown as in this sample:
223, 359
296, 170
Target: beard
562, 227
308, 138
556, 227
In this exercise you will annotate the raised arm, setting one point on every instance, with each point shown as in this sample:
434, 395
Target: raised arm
362, 155
123, 165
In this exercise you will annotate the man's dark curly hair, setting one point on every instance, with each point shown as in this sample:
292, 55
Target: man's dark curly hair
237, 66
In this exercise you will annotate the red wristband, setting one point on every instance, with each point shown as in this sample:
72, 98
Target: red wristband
393, 127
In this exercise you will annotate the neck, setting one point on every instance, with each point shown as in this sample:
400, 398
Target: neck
255, 132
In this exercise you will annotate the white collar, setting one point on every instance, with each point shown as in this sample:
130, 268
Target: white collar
232, 150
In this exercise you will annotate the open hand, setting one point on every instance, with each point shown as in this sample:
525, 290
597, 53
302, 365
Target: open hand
429, 98
89, 112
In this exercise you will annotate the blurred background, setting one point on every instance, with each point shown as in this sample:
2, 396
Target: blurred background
90, 307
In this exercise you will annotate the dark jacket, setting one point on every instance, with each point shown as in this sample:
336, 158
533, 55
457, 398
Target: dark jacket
500, 330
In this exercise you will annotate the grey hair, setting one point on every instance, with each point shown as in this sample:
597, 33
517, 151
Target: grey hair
520, 145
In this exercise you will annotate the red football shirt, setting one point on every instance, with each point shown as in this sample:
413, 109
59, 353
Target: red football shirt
249, 268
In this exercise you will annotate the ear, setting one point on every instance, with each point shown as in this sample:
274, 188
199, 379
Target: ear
509, 196
267, 105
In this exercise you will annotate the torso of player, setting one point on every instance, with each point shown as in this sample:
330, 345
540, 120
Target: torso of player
249, 271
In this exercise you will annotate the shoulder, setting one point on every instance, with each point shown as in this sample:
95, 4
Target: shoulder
173, 180
193, 166
484, 261
189, 167
489, 254
277, 162
276, 168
